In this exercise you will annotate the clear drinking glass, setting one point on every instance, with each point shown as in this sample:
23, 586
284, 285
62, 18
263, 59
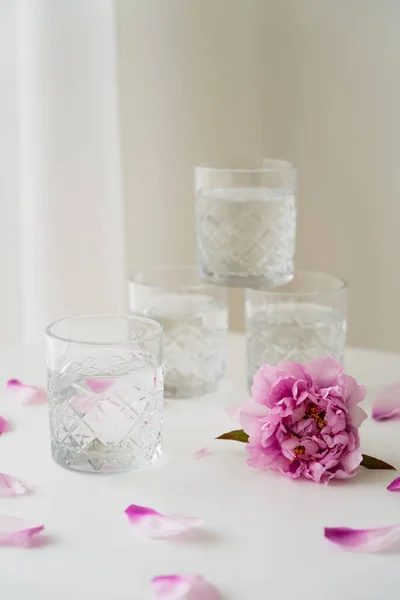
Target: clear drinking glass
246, 224
301, 321
195, 319
105, 384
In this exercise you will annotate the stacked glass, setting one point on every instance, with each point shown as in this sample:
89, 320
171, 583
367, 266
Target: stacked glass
246, 224
194, 315
246, 232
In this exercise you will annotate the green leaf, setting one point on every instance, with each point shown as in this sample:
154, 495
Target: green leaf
238, 435
369, 462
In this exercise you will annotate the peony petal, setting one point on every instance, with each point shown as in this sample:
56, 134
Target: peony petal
394, 486
351, 461
29, 395
354, 393
83, 404
183, 587
202, 453
387, 404
98, 386
262, 381
365, 540
316, 471
250, 415
324, 371
233, 411
358, 415
293, 369
16, 532
11, 486
14, 383
4, 425
152, 524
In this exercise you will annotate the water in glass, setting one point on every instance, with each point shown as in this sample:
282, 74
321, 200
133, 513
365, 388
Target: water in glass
106, 415
296, 331
195, 329
246, 236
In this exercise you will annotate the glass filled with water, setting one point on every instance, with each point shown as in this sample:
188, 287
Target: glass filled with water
301, 321
246, 224
105, 384
195, 320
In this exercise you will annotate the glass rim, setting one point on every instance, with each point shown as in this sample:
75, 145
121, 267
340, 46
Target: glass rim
341, 285
127, 317
134, 277
267, 165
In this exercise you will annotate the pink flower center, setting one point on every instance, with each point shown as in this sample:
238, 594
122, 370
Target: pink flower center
317, 415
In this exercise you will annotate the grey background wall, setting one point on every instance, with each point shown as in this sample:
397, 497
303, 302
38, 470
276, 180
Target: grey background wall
313, 81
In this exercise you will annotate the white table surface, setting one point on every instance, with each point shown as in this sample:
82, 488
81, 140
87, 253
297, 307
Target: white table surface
263, 537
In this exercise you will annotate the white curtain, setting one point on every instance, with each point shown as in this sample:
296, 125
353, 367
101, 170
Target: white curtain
61, 226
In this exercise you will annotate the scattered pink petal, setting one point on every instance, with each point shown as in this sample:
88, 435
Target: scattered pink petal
98, 386
394, 486
202, 453
11, 486
365, 540
233, 411
91, 396
16, 532
387, 405
83, 404
151, 524
183, 587
4, 425
29, 395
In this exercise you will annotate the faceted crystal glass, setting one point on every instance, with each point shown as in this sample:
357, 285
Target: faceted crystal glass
195, 320
105, 384
301, 321
246, 224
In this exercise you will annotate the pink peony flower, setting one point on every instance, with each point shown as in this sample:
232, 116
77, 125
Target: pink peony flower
304, 419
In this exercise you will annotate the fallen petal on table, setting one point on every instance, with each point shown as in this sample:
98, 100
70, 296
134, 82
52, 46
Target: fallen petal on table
394, 486
149, 523
17, 532
4, 425
387, 405
11, 486
365, 540
202, 453
29, 395
183, 587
